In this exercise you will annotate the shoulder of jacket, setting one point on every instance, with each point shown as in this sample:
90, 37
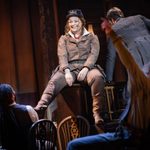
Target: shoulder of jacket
135, 16
91, 35
65, 36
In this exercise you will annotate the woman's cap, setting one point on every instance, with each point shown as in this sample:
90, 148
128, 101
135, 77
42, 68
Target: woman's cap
75, 12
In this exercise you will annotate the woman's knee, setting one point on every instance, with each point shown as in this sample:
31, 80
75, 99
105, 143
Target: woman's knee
95, 76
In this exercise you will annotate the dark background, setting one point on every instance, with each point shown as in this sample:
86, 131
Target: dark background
30, 29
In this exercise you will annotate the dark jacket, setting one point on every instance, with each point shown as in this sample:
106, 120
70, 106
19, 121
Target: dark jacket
135, 33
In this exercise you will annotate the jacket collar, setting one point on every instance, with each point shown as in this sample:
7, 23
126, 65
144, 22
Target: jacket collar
85, 32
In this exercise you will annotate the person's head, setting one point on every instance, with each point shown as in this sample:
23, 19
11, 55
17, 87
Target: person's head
7, 94
114, 14
75, 20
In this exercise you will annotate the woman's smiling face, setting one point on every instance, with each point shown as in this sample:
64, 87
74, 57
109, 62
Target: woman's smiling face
75, 24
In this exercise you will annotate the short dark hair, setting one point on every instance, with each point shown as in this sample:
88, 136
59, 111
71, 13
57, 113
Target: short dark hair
114, 13
6, 92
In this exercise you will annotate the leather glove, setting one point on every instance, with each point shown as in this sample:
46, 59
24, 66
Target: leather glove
68, 77
82, 74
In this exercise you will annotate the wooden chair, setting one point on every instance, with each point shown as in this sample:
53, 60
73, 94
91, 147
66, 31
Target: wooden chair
43, 135
70, 128
114, 105
110, 99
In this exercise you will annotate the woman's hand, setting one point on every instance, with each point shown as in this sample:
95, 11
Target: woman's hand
68, 77
82, 74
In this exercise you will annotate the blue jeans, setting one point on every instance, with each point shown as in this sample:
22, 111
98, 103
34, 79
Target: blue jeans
103, 141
